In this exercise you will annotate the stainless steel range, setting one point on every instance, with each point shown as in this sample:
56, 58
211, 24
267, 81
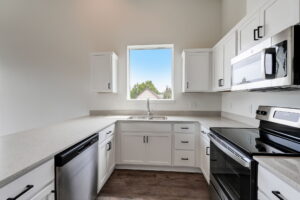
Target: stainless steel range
233, 172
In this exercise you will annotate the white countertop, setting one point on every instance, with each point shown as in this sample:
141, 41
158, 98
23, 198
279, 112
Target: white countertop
21, 152
285, 168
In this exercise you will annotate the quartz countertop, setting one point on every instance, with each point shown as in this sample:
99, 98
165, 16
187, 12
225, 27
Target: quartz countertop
285, 168
21, 152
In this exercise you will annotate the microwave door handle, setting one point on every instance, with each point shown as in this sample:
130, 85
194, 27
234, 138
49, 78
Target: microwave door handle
269, 63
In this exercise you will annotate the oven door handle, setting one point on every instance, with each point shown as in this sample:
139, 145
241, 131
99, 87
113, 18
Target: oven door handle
244, 161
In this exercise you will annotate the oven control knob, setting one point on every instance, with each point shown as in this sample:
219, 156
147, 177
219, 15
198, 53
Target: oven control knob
258, 112
263, 112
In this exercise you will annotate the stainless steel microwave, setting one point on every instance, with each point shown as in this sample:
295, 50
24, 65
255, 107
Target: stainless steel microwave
272, 64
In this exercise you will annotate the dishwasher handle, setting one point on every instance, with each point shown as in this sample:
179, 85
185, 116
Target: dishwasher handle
67, 155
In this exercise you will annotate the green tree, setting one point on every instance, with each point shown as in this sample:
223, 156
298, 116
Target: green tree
138, 88
167, 94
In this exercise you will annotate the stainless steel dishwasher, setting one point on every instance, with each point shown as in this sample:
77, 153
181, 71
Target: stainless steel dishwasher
76, 171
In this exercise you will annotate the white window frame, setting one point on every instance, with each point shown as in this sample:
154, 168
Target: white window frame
145, 47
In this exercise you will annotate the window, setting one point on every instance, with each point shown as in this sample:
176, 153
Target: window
150, 72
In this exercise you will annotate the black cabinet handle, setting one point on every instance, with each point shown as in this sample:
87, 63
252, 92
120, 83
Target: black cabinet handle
184, 142
278, 195
207, 151
255, 31
259, 28
108, 86
221, 82
203, 132
27, 188
109, 132
184, 158
184, 128
144, 139
187, 85
147, 139
109, 146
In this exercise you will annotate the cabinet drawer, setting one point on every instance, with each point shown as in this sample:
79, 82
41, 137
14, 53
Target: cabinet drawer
39, 178
184, 141
106, 133
184, 128
146, 127
269, 183
184, 158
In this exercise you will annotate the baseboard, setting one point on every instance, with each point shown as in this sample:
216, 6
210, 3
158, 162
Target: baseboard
159, 168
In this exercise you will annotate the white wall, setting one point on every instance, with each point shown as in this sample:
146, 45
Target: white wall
186, 24
232, 12
246, 103
43, 64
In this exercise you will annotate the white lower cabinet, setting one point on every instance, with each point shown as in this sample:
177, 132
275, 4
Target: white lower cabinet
37, 184
271, 187
106, 160
205, 154
158, 149
150, 149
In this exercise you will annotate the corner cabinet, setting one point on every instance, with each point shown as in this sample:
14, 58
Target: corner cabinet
104, 72
223, 52
196, 70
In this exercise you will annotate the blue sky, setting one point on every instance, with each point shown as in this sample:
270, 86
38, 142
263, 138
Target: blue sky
151, 64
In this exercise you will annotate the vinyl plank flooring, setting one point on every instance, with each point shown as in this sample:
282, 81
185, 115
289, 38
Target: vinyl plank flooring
153, 185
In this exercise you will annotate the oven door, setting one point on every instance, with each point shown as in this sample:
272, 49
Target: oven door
231, 176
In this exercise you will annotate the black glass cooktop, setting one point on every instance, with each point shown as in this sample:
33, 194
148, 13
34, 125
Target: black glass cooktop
256, 141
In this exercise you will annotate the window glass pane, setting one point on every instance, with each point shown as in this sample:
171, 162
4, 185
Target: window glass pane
150, 73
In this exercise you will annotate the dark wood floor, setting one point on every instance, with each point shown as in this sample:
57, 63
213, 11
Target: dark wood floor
152, 185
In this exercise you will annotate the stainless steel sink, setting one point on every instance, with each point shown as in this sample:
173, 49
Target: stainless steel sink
146, 117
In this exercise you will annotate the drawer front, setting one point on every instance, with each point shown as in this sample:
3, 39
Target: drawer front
184, 158
184, 141
106, 133
184, 128
146, 127
39, 178
46, 193
270, 184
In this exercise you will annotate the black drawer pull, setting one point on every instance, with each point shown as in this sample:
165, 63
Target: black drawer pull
109, 146
109, 132
203, 132
184, 142
184, 158
185, 128
207, 151
27, 188
278, 195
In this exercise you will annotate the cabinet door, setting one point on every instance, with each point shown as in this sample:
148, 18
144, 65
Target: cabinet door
277, 15
101, 73
46, 193
110, 155
158, 149
246, 32
197, 72
229, 53
102, 163
218, 61
133, 148
205, 158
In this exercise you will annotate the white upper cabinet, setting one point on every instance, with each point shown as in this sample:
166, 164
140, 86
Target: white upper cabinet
248, 32
104, 72
278, 15
196, 70
273, 17
223, 52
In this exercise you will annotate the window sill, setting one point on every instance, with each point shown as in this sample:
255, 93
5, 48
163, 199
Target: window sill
159, 101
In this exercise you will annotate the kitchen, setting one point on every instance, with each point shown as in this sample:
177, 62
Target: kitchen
68, 70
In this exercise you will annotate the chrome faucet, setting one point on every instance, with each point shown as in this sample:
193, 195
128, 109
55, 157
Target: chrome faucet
148, 108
